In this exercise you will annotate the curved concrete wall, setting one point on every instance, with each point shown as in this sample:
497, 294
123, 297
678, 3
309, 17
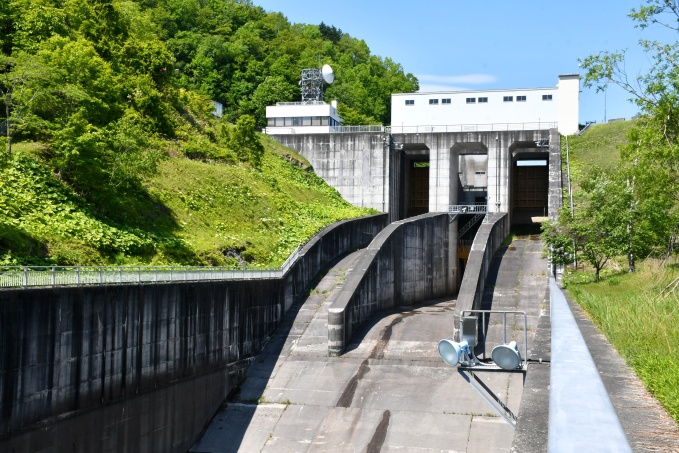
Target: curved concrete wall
409, 261
494, 229
141, 367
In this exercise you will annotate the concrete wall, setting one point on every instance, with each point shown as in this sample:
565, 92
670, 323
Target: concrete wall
489, 237
408, 262
140, 367
368, 168
355, 164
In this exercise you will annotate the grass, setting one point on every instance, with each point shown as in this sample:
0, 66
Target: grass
642, 325
189, 213
599, 146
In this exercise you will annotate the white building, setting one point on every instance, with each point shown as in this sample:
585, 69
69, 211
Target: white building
311, 117
518, 109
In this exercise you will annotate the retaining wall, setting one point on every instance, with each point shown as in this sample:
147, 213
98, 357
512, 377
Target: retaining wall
408, 262
141, 367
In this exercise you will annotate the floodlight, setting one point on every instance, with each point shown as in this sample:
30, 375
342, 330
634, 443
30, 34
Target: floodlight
452, 352
506, 356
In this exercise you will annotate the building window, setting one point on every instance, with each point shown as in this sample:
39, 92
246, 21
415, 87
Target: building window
270, 122
433, 101
471, 100
279, 122
445, 101
483, 100
521, 99
508, 99
410, 101
546, 97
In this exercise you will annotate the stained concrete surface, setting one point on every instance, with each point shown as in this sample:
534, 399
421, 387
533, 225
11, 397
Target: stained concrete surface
390, 391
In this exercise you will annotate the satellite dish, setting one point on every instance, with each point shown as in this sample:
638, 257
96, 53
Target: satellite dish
328, 74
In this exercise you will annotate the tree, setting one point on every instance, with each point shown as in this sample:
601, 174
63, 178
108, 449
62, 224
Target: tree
273, 89
244, 141
646, 179
596, 227
23, 80
330, 33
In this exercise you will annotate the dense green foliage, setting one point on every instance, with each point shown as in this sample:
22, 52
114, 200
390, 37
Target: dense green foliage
629, 207
110, 152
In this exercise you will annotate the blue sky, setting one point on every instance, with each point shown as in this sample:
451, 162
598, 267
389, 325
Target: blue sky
451, 44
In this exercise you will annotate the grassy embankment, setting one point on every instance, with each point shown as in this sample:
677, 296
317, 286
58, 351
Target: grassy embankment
631, 309
190, 212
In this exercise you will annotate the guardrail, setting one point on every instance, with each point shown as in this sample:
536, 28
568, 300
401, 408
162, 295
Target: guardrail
36, 276
578, 400
467, 209
492, 127
355, 129
33, 276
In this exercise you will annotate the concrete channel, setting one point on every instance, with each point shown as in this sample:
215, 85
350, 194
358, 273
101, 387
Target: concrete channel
389, 391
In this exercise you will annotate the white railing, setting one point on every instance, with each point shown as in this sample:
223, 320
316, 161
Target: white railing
303, 103
468, 209
354, 129
494, 127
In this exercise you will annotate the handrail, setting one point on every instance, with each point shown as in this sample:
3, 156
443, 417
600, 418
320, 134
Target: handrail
584, 129
355, 129
468, 226
490, 127
37, 276
480, 208
50, 276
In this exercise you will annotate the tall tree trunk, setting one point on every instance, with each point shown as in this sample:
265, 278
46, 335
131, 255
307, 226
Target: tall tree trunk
9, 135
630, 261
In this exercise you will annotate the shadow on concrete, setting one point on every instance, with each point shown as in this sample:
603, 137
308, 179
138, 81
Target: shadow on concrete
244, 398
403, 311
488, 298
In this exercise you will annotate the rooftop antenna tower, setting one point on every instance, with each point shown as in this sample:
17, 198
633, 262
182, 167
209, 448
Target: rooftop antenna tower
312, 83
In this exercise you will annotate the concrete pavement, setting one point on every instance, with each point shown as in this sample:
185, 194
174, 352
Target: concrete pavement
390, 390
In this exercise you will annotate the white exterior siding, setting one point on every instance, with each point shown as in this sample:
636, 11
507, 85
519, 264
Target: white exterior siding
301, 118
542, 108
569, 104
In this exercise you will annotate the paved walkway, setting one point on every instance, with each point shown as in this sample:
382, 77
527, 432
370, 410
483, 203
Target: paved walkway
389, 392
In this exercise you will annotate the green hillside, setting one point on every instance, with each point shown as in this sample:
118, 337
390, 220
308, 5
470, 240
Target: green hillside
110, 154
189, 212
598, 146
